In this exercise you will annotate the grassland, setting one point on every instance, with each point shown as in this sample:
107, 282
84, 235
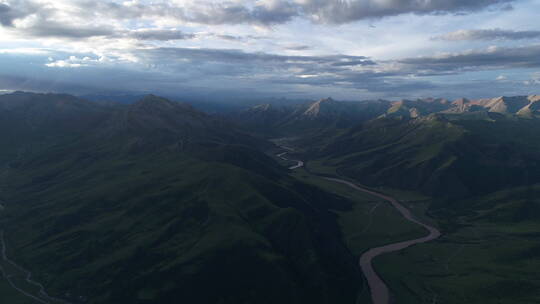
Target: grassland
371, 222
489, 251
11, 296
488, 256
175, 217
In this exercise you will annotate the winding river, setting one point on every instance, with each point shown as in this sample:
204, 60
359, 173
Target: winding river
378, 289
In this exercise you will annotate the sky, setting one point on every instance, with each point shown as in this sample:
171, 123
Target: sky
226, 49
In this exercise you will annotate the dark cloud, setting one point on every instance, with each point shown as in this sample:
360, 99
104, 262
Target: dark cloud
261, 13
25, 83
44, 23
173, 70
5, 15
338, 71
353, 62
232, 37
228, 37
493, 58
53, 29
233, 13
339, 11
158, 34
263, 69
237, 57
43, 26
327, 11
225, 12
297, 47
488, 34
15, 9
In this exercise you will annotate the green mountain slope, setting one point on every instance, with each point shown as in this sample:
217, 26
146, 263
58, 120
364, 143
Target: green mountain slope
441, 155
34, 120
489, 252
156, 202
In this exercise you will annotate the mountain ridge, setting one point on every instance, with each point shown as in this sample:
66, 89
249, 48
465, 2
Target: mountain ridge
156, 201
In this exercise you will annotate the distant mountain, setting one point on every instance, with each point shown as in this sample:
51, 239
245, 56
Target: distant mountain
308, 117
115, 98
202, 103
451, 156
532, 109
324, 114
518, 105
31, 121
261, 118
153, 201
321, 108
416, 108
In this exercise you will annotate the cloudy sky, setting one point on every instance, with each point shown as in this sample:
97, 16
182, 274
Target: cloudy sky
347, 49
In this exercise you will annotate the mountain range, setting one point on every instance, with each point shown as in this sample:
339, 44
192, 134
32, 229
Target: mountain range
153, 200
325, 113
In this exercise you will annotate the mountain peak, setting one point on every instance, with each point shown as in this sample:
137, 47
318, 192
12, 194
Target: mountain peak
154, 100
461, 101
315, 108
152, 103
507, 105
534, 98
262, 107
327, 99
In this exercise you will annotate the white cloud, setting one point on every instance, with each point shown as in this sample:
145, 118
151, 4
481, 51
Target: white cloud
245, 41
25, 51
73, 62
534, 79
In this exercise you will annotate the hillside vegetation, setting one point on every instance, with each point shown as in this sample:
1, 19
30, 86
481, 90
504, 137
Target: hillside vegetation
156, 201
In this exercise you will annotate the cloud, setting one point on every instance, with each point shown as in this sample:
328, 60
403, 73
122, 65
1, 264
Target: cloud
159, 34
230, 61
534, 79
232, 55
121, 44
488, 34
339, 11
297, 47
163, 69
267, 70
269, 12
261, 12
72, 62
492, 58
42, 26
15, 9
265, 12
182, 70
24, 83
5, 17
54, 29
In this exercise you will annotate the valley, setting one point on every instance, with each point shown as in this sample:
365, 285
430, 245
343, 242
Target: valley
457, 267
269, 152
378, 290
373, 202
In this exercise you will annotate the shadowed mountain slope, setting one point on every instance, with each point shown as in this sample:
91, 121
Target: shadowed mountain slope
454, 156
156, 201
